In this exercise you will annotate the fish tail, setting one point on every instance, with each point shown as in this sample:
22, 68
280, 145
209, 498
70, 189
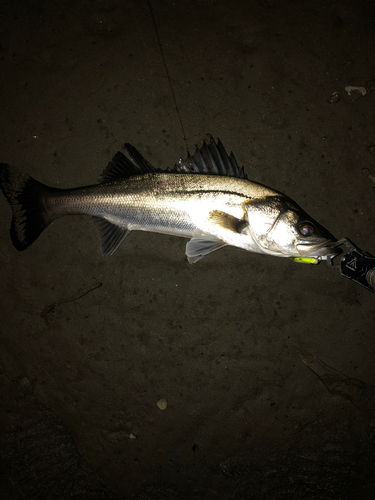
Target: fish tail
27, 198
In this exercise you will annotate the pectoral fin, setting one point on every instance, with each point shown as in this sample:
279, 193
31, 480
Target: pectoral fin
202, 244
227, 222
219, 225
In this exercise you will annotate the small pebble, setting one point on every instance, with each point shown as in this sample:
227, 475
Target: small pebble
132, 436
23, 381
333, 98
162, 404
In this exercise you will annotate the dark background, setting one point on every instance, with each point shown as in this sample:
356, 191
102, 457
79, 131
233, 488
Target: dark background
89, 345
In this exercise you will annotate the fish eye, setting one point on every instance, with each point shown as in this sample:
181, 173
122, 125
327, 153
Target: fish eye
306, 229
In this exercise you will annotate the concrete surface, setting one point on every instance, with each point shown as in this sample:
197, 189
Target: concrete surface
89, 345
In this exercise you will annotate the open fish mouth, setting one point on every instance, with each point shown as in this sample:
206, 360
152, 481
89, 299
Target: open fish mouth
306, 249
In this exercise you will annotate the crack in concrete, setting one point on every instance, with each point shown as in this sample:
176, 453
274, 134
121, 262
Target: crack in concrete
81, 293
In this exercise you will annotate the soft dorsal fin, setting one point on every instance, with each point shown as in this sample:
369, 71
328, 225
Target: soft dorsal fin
138, 159
210, 159
121, 167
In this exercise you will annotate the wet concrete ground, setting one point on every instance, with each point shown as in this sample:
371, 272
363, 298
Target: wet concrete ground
266, 365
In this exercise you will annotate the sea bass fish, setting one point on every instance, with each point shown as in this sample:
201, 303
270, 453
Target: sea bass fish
206, 198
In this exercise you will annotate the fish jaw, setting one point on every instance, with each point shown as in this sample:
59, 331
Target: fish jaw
320, 250
322, 247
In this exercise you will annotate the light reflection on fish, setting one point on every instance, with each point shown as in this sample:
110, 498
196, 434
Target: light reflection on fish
206, 198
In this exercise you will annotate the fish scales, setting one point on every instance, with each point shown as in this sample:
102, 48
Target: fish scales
151, 202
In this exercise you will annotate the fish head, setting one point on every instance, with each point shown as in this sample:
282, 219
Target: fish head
280, 227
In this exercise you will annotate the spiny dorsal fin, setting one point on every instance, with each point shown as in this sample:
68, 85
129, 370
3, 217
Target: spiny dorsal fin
210, 159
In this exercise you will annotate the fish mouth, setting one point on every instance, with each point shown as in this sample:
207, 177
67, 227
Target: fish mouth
307, 249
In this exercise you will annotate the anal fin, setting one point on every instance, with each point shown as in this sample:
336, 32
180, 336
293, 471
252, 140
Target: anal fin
111, 235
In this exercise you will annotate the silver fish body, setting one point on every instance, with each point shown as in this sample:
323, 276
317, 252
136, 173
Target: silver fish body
206, 198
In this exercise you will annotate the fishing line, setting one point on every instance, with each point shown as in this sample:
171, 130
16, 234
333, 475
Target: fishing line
167, 72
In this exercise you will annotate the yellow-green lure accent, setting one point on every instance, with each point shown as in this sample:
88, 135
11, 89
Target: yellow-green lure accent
306, 260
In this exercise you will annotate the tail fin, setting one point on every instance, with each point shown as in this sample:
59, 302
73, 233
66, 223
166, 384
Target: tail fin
26, 196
